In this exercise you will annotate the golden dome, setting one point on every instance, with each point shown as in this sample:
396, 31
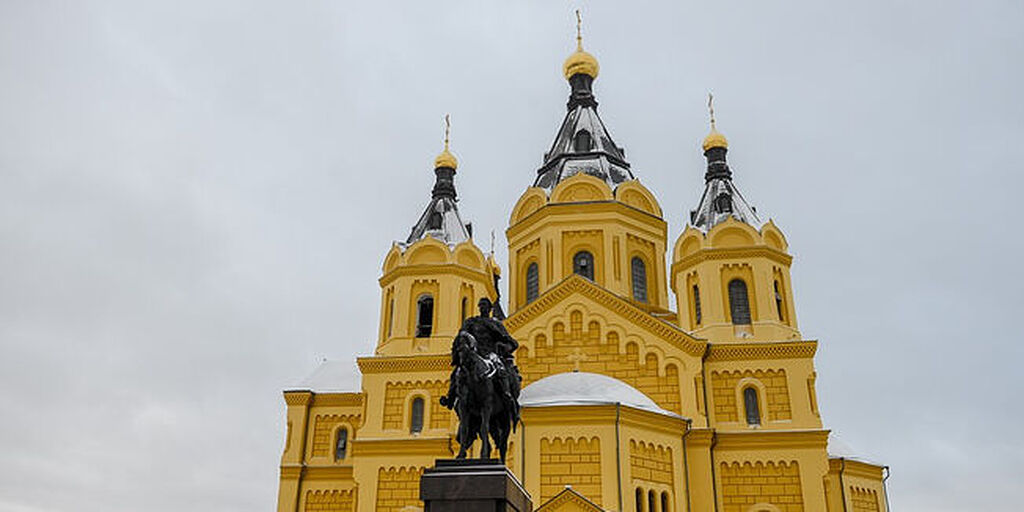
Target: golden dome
715, 140
446, 159
580, 62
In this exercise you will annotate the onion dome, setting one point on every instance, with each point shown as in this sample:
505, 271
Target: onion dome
441, 219
446, 160
580, 62
715, 140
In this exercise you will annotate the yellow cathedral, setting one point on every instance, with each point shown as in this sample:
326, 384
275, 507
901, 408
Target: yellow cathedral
627, 405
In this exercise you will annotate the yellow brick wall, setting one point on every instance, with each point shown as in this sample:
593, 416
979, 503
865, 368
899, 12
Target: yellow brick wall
330, 501
724, 389
650, 463
323, 431
774, 483
395, 396
863, 500
575, 462
398, 488
583, 344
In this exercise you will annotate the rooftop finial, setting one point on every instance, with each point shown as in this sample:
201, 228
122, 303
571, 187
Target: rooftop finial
714, 139
446, 158
579, 31
711, 109
448, 127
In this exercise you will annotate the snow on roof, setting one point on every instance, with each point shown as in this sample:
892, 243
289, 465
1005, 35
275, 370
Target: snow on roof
840, 449
581, 388
331, 377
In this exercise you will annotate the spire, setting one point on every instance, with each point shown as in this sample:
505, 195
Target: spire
441, 218
721, 198
582, 144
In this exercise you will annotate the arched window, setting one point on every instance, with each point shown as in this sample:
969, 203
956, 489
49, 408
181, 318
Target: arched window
753, 409
341, 444
723, 203
639, 499
424, 316
583, 264
664, 501
652, 502
696, 304
416, 416
739, 302
532, 282
465, 308
778, 302
582, 142
639, 273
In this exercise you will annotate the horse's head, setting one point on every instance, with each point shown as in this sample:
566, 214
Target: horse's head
464, 343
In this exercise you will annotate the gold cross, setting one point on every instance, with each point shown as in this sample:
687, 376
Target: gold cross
579, 31
576, 358
711, 110
447, 130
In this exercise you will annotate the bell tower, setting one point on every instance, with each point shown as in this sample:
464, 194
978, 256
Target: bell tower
730, 270
586, 213
432, 280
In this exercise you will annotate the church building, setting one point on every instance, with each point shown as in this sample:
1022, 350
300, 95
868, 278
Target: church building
627, 404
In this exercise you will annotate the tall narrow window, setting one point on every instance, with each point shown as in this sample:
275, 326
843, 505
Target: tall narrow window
582, 142
341, 445
652, 502
664, 501
696, 304
391, 315
723, 203
739, 302
639, 500
465, 308
583, 264
778, 302
424, 316
639, 273
416, 416
532, 283
753, 409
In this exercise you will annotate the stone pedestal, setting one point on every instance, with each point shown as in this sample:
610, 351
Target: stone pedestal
472, 485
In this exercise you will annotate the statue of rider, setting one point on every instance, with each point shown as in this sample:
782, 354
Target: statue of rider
492, 338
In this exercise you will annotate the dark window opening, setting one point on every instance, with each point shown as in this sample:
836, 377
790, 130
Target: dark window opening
652, 502
341, 446
696, 304
465, 308
639, 500
778, 302
424, 316
416, 418
739, 302
664, 501
532, 282
639, 274
391, 315
582, 142
753, 409
723, 203
583, 264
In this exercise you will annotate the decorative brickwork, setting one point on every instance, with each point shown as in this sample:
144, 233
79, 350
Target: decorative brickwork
330, 501
323, 432
745, 485
724, 390
585, 349
650, 463
575, 462
864, 500
398, 488
395, 400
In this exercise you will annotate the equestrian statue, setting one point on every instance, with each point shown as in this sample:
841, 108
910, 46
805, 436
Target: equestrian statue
484, 385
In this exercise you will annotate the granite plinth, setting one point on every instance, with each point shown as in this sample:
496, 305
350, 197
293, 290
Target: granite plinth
472, 485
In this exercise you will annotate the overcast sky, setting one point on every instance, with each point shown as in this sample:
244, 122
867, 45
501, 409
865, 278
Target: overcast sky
196, 198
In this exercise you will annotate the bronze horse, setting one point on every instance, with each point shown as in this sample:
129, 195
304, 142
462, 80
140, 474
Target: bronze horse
480, 402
